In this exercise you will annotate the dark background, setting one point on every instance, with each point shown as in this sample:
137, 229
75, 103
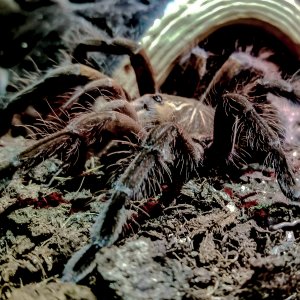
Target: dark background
39, 34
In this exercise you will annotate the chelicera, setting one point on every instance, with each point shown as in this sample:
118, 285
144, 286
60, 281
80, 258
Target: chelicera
171, 138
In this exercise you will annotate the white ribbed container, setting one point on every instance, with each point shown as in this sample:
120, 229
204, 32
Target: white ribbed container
191, 21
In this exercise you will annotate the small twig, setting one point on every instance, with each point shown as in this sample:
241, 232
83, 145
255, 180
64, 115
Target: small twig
258, 228
178, 206
285, 225
244, 197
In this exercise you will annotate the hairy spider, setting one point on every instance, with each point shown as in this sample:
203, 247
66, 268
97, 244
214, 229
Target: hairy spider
231, 124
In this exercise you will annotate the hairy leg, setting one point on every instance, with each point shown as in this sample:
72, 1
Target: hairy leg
56, 83
231, 72
82, 133
164, 147
238, 125
121, 46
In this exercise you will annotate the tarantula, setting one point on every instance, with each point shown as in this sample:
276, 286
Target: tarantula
165, 132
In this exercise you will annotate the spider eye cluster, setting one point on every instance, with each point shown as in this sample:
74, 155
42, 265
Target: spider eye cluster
157, 98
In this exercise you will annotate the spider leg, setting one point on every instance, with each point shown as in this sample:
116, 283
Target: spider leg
256, 134
105, 87
72, 142
29, 105
55, 83
163, 146
278, 87
227, 76
120, 106
188, 72
121, 46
